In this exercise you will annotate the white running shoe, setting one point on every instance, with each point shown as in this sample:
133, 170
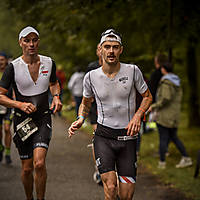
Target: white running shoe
184, 162
161, 164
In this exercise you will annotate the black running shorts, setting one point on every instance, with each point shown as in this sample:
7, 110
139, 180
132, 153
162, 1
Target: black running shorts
40, 138
111, 155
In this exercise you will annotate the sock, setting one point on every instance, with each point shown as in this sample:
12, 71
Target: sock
7, 151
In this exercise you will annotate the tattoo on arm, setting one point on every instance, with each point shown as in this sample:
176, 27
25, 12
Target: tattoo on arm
146, 102
84, 108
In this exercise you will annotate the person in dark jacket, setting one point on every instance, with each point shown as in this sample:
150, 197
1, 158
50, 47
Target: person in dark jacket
93, 111
156, 75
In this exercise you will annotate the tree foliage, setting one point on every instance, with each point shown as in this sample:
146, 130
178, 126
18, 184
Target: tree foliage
70, 30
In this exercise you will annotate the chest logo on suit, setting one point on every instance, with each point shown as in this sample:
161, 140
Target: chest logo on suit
123, 79
44, 71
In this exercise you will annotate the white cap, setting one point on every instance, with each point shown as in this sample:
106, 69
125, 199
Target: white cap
114, 36
24, 32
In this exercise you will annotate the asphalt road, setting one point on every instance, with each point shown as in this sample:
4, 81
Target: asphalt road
70, 169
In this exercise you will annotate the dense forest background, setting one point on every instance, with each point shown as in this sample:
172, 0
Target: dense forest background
70, 30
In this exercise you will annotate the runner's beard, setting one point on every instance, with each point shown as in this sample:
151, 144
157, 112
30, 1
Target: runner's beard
111, 63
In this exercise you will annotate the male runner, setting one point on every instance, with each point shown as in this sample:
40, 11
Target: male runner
114, 87
93, 112
30, 76
5, 117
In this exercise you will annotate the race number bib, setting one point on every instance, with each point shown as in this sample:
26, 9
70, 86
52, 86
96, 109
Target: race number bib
26, 128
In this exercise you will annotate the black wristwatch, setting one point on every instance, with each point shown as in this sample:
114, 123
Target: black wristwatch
56, 95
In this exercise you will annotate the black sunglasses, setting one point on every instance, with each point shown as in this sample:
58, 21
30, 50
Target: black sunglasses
109, 31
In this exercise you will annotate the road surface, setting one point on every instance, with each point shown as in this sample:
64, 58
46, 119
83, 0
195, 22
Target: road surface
70, 169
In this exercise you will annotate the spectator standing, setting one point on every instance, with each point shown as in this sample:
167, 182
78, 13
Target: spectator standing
167, 108
61, 76
5, 117
93, 110
61, 79
75, 85
156, 75
154, 80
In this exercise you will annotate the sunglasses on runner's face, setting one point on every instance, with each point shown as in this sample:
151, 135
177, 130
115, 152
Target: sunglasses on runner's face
109, 31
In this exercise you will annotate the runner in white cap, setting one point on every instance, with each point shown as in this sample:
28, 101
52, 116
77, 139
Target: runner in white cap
26, 31
31, 75
114, 86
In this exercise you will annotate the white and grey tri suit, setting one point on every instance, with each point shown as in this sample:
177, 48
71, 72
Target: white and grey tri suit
18, 76
116, 102
115, 97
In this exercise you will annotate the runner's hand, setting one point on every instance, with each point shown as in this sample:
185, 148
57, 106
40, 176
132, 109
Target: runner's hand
27, 107
149, 110
56, 105
74, 127
134, 125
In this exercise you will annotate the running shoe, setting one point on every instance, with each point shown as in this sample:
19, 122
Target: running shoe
161, 164
8, 159
184, 162
167, 154
1, 152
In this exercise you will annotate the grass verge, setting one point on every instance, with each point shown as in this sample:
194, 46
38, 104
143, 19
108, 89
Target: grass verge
182, 179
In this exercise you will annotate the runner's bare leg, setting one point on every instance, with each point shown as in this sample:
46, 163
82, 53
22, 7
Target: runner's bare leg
40, 171
126, 190
27, 177
8, 136
110, 185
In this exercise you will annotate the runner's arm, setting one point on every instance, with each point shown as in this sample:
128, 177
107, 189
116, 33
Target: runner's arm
55, 91
7, 102
135, 123
6, 83
83, 113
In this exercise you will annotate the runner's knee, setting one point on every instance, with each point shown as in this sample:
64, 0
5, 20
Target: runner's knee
39, 165
7, 131
128, 195
126, 190
27, 171
110, 186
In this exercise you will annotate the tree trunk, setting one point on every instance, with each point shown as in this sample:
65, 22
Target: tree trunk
170, 31
192, 68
